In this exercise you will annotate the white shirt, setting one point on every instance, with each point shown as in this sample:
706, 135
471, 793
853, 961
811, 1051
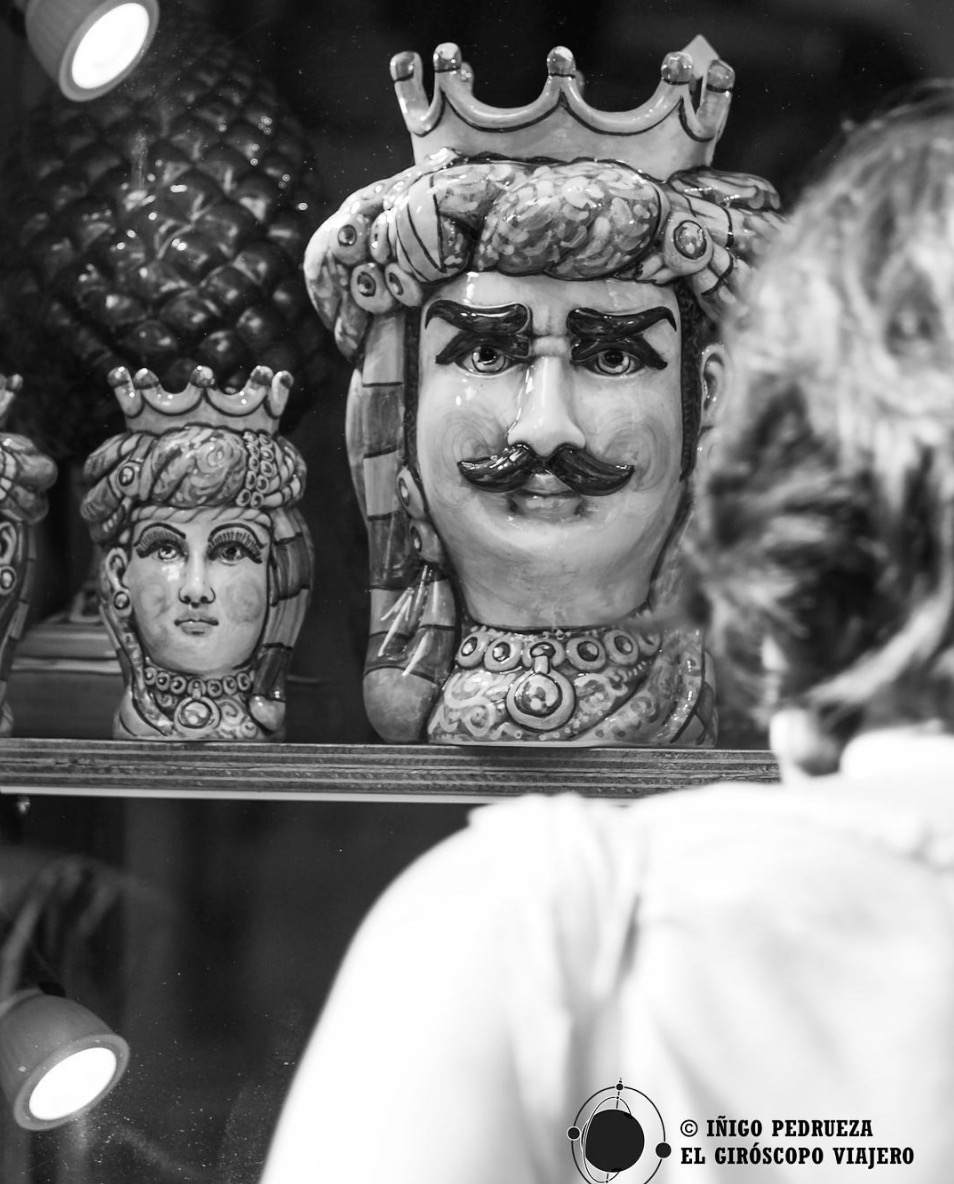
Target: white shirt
747, 952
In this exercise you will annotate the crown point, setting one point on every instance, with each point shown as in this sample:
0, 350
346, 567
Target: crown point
561, 63
447, 58
676, 69
126, 392
281, 387
720, 76
260, 376
404, 66
119, 377
145, 380
202, 376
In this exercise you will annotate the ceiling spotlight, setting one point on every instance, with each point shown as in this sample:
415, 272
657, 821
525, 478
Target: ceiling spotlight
57, 1059
87, 46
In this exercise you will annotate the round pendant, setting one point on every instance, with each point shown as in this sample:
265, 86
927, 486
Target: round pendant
541, 699
197, 715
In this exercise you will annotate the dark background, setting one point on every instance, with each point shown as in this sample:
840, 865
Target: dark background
217, 926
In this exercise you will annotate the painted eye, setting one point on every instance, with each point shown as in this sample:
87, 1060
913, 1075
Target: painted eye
235, 544
164, 550
486, 359
614, 363
230, 553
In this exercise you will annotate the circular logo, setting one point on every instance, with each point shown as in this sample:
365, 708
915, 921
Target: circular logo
618, 1133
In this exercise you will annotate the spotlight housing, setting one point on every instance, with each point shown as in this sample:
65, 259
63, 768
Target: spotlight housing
88, 46
57, 1059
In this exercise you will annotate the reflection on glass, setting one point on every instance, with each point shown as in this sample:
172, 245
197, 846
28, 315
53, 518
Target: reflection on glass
72, 1085
110, 46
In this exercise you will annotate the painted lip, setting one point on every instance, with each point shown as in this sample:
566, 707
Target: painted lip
545, 485
196, 623
545, 497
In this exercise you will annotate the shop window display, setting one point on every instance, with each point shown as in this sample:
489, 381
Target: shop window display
229, 918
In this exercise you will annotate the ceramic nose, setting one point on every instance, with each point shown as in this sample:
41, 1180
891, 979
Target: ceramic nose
545, 412
196, 588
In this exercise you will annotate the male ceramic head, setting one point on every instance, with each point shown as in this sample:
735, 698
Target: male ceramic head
530, 309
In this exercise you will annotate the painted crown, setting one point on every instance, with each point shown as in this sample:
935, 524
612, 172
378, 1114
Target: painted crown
148, 407
676, 129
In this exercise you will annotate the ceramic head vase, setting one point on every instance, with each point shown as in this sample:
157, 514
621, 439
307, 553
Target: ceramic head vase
25, 475
206, 565
531, 313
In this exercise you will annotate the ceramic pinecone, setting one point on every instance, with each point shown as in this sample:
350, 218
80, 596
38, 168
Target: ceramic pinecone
162, 225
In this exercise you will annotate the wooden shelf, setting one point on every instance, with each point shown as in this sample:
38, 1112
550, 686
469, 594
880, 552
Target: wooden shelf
351, 772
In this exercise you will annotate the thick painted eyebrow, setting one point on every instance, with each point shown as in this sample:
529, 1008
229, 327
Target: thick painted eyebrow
590, 322
164, 527
505, 320
237, 525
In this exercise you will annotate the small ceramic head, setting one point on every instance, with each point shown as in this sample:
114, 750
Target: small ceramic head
25, 476
207, 564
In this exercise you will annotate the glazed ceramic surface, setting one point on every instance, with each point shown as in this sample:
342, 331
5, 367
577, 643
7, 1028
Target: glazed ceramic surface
531, 311
206, 565
25, 475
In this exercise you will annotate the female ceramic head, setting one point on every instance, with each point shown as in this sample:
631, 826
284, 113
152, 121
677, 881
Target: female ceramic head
823, 547
207, 565
25, 475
